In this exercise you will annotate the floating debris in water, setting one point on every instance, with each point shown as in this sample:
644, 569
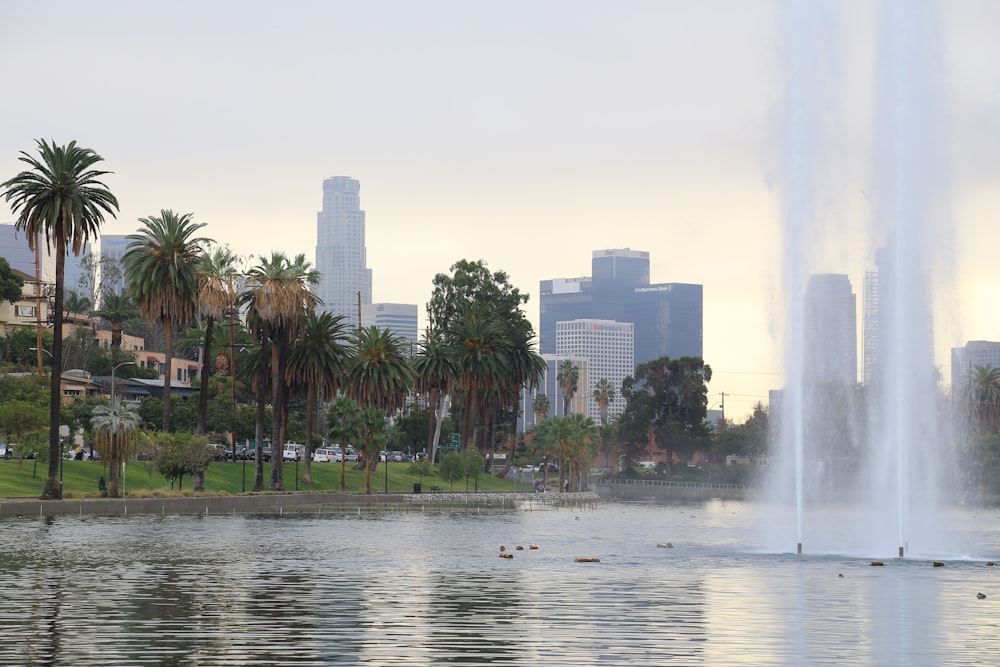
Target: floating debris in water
587, 559
877, 563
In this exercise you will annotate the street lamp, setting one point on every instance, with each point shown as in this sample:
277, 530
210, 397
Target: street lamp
113, 369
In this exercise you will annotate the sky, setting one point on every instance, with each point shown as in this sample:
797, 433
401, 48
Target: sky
523, 133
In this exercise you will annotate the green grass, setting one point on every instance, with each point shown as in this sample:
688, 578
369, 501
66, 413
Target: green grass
80, 479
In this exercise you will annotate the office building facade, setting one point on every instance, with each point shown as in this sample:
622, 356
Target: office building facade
667, 317
608, 347
830, 330
340, 248
965, 360
399, 318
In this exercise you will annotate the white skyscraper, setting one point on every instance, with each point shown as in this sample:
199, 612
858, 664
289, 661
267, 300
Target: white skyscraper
399, 318
608, 345
340, 248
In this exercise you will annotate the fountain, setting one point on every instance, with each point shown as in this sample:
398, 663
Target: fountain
856, 465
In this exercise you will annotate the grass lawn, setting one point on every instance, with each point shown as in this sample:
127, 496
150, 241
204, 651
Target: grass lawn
23, 479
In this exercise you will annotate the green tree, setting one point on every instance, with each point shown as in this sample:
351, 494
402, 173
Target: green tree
435, 373
75, 303
472, 465
279, 293
318, 360
604, 395
345, 428
568, 377
217, 274
540, 407
672, 394
116, 309
379, 376
20, 417
480, 355
61, 197
160, 263
115, 427
11, 284
451, 468
983, 391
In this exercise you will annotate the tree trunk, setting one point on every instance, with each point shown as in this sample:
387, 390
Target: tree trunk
276, 442
307, 463
437, 426
198, 480
52, 489
258, 467
168, 369
205, 374
113, 477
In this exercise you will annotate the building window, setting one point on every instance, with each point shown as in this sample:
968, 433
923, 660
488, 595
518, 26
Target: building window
25, 311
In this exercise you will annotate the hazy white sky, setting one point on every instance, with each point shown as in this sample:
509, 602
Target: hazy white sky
524, 133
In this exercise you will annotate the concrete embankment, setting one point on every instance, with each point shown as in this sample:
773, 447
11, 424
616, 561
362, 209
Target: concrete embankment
647, 489
294, 504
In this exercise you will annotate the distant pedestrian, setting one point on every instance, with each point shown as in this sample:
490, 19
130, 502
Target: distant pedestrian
102, 486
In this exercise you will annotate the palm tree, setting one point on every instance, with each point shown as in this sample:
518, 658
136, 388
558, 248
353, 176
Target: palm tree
482, 362
540, 407
217, 274
115, 427
568, 378
116, 309
159, 265
318, 360
380, 376
984, 388
75, 303
279, 294
525, 368
436, 371
344, 427
61, 197
586, 437
604, 394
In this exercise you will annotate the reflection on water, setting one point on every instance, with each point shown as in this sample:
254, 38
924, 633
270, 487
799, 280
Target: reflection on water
429, 589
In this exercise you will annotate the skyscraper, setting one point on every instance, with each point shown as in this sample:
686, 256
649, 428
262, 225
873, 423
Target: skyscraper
667, 317
113, 246
831, 333
399, 318
340, 248
608, 347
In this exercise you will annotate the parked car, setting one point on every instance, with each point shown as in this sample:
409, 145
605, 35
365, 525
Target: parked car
6, 451
420, 456
338, 453
218, 451
323, 456
293, 452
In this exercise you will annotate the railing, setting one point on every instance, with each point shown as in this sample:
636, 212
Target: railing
613, 481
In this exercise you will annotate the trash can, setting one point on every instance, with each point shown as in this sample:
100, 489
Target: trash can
416, 488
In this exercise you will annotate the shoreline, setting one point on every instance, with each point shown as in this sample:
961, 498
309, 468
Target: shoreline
280, 504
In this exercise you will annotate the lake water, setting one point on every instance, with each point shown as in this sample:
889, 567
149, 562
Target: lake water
419, 588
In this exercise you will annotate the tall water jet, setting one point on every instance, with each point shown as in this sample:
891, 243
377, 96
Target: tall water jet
864, 455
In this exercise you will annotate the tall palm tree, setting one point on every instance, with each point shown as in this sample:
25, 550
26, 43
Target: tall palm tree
586, 437
436, 371
159, 264
279, 293
379, 376
318, 360
525, 369
217, 274
62, 197
604, 394
540, 407
984, 389
568, 377
75, 303
115, 427
482, 362
116, 309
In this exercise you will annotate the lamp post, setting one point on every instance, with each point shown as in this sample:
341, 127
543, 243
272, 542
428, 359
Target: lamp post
113, 369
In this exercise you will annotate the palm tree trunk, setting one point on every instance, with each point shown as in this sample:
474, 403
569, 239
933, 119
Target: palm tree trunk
369, 456
307, 463
113, 468
205, 366
437, 426
258, 468
432, 396
168, 369
276, 442
52, 489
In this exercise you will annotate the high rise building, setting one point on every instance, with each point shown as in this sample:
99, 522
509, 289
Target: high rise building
964, 361
340, 248
399, 318
831, 330
608, 347
550, 387
113, 246
14, 248
667, 317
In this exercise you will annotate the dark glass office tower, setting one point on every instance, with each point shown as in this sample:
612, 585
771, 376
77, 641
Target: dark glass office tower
667, 317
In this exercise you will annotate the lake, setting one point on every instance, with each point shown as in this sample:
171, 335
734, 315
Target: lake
429, 588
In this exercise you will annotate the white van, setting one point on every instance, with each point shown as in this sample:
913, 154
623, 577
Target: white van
323, 456
293, 452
